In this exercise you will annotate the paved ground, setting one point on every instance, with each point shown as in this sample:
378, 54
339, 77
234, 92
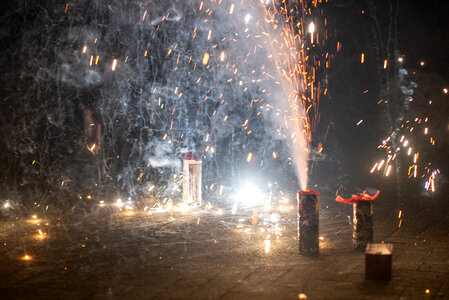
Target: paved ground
212, 254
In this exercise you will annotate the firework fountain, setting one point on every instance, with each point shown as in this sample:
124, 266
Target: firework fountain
134, 87
136, 91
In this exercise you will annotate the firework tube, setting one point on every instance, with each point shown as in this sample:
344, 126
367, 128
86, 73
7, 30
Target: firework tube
362, 223
308, 222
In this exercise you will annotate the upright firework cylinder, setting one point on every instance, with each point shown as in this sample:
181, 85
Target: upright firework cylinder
308, 222
191, 182
362, 224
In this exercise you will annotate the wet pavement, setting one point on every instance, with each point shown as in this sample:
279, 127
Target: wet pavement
211, 253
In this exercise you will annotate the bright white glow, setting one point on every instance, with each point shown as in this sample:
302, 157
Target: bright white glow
249, 196
267, 246
380, 165
311, 31
182, 207
119, 203
234, 208
311, 27
388, 170
247, 18
114, 64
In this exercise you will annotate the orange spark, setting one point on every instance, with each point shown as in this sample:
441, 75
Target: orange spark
205, 58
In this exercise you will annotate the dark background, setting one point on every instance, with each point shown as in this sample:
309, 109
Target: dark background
355, 89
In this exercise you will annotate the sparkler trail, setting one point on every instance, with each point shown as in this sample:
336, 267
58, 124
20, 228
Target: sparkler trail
296, 66
411, 137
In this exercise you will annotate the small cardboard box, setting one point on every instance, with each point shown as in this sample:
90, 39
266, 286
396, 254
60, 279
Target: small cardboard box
378, 261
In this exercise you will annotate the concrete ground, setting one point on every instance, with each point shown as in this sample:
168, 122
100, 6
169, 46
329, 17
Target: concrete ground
214, 254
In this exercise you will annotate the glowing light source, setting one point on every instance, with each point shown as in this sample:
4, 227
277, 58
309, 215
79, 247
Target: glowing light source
234, 208
205, 58
250, 156
35, 220
311, 27
41, 235
302, 296
380, 164
26, 257
388, 170
114, 64
267, 246
311, 31
249, 195
182, 207
247, 18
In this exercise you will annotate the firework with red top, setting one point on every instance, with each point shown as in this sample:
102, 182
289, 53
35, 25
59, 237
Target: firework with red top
363, 208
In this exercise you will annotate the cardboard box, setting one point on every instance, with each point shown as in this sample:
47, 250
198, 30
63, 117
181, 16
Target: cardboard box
378, 261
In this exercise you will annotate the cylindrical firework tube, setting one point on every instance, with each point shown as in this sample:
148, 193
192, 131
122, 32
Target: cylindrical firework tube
308, 222
362, 224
